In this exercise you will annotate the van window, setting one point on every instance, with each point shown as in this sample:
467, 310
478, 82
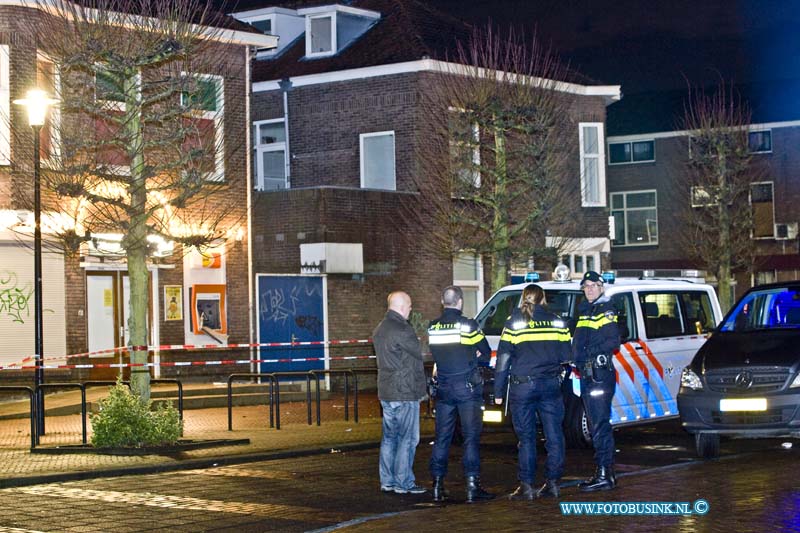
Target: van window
698, 313
662, 316
495, 313
626, 316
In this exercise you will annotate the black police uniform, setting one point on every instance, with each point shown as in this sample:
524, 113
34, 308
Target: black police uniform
454, 340
595, 340
529, 358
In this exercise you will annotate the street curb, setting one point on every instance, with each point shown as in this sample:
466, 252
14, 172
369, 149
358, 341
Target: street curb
188, 464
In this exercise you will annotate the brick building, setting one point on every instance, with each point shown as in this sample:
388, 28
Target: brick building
85, 295
337, 138
648, 186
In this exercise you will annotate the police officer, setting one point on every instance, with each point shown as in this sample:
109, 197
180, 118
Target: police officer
532, 347
454, 341
595, 340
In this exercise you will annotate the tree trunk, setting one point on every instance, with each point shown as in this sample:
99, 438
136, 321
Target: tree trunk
501, 243
724, 265
136, 246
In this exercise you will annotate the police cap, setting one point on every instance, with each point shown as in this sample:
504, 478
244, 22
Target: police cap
592, 276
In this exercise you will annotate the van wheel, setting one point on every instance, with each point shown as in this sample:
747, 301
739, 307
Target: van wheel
577, 432
707, 445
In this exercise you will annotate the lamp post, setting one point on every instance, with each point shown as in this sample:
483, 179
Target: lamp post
36, 103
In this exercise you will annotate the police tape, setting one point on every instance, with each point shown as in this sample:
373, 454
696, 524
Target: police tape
187, 363
176, 347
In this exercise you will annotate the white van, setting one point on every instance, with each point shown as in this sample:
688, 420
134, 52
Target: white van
663, 323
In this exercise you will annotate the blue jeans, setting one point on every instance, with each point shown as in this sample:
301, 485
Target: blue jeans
597, 393
399, 443
455, 399
525, 399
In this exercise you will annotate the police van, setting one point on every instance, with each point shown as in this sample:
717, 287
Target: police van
663, 322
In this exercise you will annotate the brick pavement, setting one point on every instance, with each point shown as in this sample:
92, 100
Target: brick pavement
19, 466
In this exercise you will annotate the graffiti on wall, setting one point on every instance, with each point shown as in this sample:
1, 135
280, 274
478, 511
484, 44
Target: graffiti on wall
14, 299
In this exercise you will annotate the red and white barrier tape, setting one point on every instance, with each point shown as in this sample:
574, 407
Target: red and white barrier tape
189, 363
175, 347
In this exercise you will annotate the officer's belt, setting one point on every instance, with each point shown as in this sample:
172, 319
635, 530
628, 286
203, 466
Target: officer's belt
518, 380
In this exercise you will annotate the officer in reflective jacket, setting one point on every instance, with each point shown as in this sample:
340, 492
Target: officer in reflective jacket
454, 342
595, 340
533, 345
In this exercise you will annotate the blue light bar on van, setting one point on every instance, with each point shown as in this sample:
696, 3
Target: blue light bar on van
609, 277
532, 276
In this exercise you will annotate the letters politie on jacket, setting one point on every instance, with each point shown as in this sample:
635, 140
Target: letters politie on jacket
596, 332
401, 375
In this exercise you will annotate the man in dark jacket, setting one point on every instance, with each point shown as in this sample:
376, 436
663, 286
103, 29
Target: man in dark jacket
455, 340
595, 340
401, 386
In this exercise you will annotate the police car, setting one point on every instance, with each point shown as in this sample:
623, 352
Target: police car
663, 323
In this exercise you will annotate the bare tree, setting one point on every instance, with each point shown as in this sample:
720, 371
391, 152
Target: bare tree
135, 148
493, 153
720, 173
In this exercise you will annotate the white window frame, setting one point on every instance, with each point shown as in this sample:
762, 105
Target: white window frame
583, 255
219, 124
625, 209
601, 165
693, 195
750, 201
471, 283
264, 52
269, 147
5, 105
631, 143
765, 130
361, 138
334, 44
476, 150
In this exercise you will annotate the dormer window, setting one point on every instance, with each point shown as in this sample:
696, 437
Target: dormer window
263, 25
321, 35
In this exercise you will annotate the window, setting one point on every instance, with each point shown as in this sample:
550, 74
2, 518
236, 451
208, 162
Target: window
377, 160
494, 315
626, 316
635, 218
593, 167
110, 155
109, 88
579, 263
270, 163
320, 35
662, 316
465, 152
761, 202
703, 196
760, 141
631, 152
468, 274
263, 25
47, 80
204, 103
5, 106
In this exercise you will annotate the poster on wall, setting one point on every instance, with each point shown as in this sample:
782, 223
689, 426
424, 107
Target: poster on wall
173, 302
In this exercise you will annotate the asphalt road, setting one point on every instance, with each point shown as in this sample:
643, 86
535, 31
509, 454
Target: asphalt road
753, 487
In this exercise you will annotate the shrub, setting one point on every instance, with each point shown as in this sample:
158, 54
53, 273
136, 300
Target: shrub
125, 420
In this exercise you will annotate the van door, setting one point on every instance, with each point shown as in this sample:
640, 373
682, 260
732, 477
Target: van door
631, 397
675, 323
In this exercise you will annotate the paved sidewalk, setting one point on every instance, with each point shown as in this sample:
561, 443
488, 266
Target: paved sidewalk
18, 466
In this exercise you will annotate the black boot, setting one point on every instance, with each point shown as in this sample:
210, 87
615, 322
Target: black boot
474, 491
439, 493
603, 479
523, 492
549, 489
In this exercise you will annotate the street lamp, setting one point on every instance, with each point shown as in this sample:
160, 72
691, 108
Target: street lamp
36, 103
